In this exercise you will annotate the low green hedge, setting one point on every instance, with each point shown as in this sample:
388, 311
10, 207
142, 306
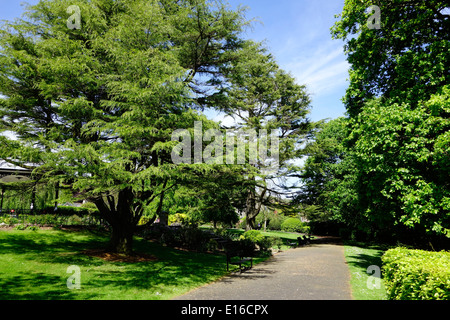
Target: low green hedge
264, 243
416, 274
294, 225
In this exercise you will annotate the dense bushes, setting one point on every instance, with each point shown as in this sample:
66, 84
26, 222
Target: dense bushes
294, 225
189, 238
263, 243
64, 215
50, 220
416, 274
200, 240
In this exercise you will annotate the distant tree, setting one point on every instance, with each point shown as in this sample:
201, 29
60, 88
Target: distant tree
260, 96
328, 193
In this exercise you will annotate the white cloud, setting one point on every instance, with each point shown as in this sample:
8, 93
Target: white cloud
322, 70
225, 120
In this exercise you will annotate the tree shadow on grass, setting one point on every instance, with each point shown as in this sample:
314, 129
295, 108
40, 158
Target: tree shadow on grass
172, 270
364, 259
34, 286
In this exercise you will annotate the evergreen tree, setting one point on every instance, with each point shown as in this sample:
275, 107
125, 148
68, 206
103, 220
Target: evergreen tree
262, 97
94, 92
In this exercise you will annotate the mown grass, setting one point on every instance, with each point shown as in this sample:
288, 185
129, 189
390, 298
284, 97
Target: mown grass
360, 257
33, 266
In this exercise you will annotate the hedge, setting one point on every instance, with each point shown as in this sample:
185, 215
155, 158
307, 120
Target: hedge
263, 242
294, 225
416, 274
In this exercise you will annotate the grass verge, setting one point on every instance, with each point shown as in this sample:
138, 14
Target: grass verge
364, 262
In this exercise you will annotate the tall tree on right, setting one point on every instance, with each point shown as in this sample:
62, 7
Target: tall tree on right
405, 60
398, 102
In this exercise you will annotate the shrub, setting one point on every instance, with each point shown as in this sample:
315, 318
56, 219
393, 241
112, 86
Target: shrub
276, 221
190, 238
416, 274
20, 227
276, 242
180, 218
44, 219
264, 243
9, 220
294, 225
253, 235
91, 207
144, 220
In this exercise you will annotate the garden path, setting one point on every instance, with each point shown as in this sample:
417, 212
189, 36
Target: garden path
314, 272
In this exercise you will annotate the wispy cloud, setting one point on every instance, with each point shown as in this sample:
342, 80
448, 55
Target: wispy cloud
322, 69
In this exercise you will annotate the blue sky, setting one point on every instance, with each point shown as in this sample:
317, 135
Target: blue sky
297, 32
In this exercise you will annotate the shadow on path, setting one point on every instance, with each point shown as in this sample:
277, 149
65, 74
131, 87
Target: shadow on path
314, 272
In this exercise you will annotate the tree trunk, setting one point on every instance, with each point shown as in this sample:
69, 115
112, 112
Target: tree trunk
253, 207
123, 220
1, 201
251, 210
121, 239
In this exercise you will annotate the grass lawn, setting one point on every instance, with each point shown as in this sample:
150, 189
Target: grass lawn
359, 258
33, 265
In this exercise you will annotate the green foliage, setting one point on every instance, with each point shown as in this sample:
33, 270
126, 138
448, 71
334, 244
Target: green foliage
402, 147
273, 218
81, 211
265, 98
276, 221
294, 225
8, 220
96, 107
406, 60
20, 227
417, 274
44, 219
328, 195
190, 238
253, 235
398, 107
264, 243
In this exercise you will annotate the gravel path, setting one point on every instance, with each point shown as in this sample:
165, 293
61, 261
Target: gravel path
314, 272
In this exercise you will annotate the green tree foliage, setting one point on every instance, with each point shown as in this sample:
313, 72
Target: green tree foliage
215, 199
406, 60
399, 151
399, 117
328, 192
94, 107
261, 96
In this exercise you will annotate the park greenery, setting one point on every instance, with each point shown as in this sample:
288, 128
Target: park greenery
90, 109
382, 171
93, 109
